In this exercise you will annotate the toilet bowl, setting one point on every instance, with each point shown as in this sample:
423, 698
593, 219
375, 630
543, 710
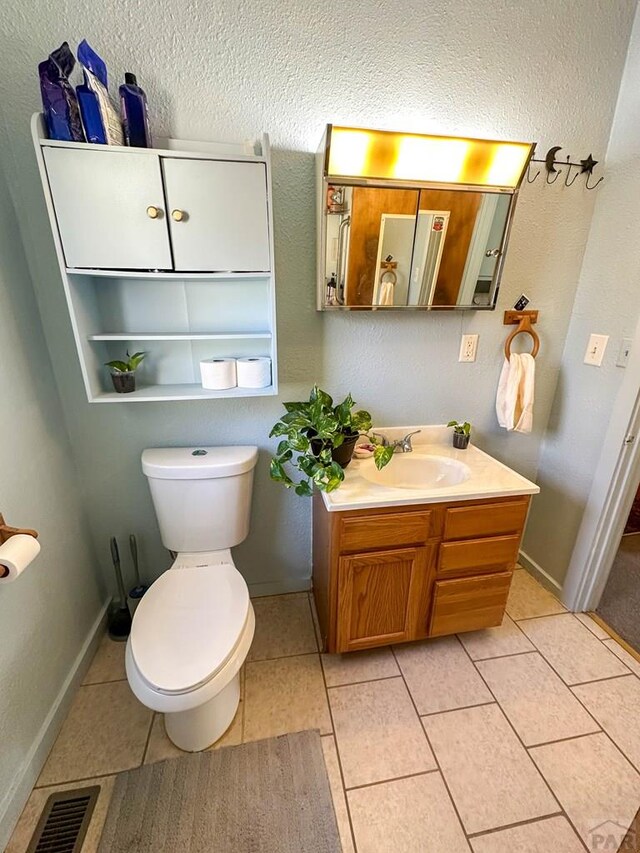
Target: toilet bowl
193, 628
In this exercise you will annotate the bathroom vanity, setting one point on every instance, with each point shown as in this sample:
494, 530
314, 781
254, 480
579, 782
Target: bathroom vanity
423, 551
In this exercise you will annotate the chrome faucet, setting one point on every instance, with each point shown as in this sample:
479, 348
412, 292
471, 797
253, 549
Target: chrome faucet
401, 445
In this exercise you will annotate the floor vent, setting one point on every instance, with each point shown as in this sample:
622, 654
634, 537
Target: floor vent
64, 821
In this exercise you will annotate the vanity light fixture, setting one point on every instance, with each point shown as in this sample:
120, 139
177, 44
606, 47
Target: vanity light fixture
370, 156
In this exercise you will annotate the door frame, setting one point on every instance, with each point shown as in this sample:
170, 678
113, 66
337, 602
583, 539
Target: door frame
613, 489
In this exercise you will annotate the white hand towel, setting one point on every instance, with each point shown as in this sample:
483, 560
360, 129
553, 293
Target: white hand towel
386, 292
514, 400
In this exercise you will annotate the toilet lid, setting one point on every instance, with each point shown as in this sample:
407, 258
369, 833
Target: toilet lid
187, 624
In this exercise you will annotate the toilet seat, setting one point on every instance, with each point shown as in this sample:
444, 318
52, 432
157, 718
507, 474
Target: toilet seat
187, 626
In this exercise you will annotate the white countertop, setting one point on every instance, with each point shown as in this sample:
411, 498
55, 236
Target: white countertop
488, 478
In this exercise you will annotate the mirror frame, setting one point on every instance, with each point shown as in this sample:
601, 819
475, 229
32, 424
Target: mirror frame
324, 179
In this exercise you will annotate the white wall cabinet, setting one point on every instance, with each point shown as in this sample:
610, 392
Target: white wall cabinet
169, 250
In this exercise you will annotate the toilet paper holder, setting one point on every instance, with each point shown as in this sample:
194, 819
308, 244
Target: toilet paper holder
6, 532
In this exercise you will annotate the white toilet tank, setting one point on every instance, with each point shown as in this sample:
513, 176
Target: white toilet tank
201, 495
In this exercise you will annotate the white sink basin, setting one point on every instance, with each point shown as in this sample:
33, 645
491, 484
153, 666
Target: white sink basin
416, 471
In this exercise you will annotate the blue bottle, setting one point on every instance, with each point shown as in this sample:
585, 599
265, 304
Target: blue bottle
134, 113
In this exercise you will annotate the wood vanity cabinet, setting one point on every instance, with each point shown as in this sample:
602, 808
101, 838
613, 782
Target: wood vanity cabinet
395, 574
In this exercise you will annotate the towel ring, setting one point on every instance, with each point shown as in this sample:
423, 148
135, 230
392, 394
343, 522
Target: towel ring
393, 280
524, 319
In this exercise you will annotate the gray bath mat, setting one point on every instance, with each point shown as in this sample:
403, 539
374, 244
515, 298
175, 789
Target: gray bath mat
270, 796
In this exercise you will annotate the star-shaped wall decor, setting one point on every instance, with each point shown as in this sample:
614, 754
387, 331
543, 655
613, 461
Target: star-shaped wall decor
588, 164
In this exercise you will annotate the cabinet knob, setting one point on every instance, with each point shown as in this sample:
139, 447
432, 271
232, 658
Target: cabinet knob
178, 215
153, 212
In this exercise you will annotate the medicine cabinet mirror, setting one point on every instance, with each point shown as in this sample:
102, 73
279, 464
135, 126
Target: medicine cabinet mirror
413, 222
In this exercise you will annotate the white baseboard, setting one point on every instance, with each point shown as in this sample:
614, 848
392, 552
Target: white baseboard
258, 590
16, 797
545, 579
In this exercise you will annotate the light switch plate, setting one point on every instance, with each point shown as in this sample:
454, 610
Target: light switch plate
468, 348
595, 349
625, 349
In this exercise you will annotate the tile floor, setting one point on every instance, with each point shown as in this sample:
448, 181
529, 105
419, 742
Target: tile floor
521, 738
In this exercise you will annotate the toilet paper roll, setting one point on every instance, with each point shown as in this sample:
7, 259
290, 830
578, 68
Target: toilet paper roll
254, 372
218, 373
16, 554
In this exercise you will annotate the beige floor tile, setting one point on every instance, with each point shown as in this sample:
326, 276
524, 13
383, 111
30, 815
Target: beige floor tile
359, 666
627, 659
108, 663
440, 675
337, 792
571, 649
491, 778
408, 815
527, 598
506, 639
615, 704
551, 835
105, 732
592, 625
539, 705
31, 814
284, 627
284, 696
595, 784
378, 732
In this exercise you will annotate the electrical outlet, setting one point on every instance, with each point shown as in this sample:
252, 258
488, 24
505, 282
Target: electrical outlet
595, 349
625, 349
468, 348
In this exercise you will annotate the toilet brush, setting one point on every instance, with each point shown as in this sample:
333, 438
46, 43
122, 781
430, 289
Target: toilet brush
136, 592
119, 619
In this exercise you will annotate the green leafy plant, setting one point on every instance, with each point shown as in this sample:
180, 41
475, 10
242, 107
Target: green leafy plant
461, 429
382, 453
310, 432
132, 363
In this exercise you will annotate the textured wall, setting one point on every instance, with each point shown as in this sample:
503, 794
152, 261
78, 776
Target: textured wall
547, 71
607, 302
46, 614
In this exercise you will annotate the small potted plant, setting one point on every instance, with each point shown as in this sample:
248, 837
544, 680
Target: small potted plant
461, 434
318, 440
123, 373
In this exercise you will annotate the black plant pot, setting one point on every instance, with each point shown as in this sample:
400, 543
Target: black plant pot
460, 440
342, 455
124, 383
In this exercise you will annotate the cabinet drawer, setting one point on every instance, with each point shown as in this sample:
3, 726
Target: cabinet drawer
468, 604
385, 531
485, 520
478, 555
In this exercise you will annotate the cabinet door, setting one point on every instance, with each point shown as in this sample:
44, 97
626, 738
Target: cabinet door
217, 215
378, 597
101, 200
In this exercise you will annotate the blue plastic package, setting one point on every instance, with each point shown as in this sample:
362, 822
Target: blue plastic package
59, 102
90, 113
101, 120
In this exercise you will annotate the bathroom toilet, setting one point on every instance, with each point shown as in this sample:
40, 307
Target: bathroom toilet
192, 630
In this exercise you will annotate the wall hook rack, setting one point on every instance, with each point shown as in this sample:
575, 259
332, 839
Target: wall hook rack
551, 162
6, 532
